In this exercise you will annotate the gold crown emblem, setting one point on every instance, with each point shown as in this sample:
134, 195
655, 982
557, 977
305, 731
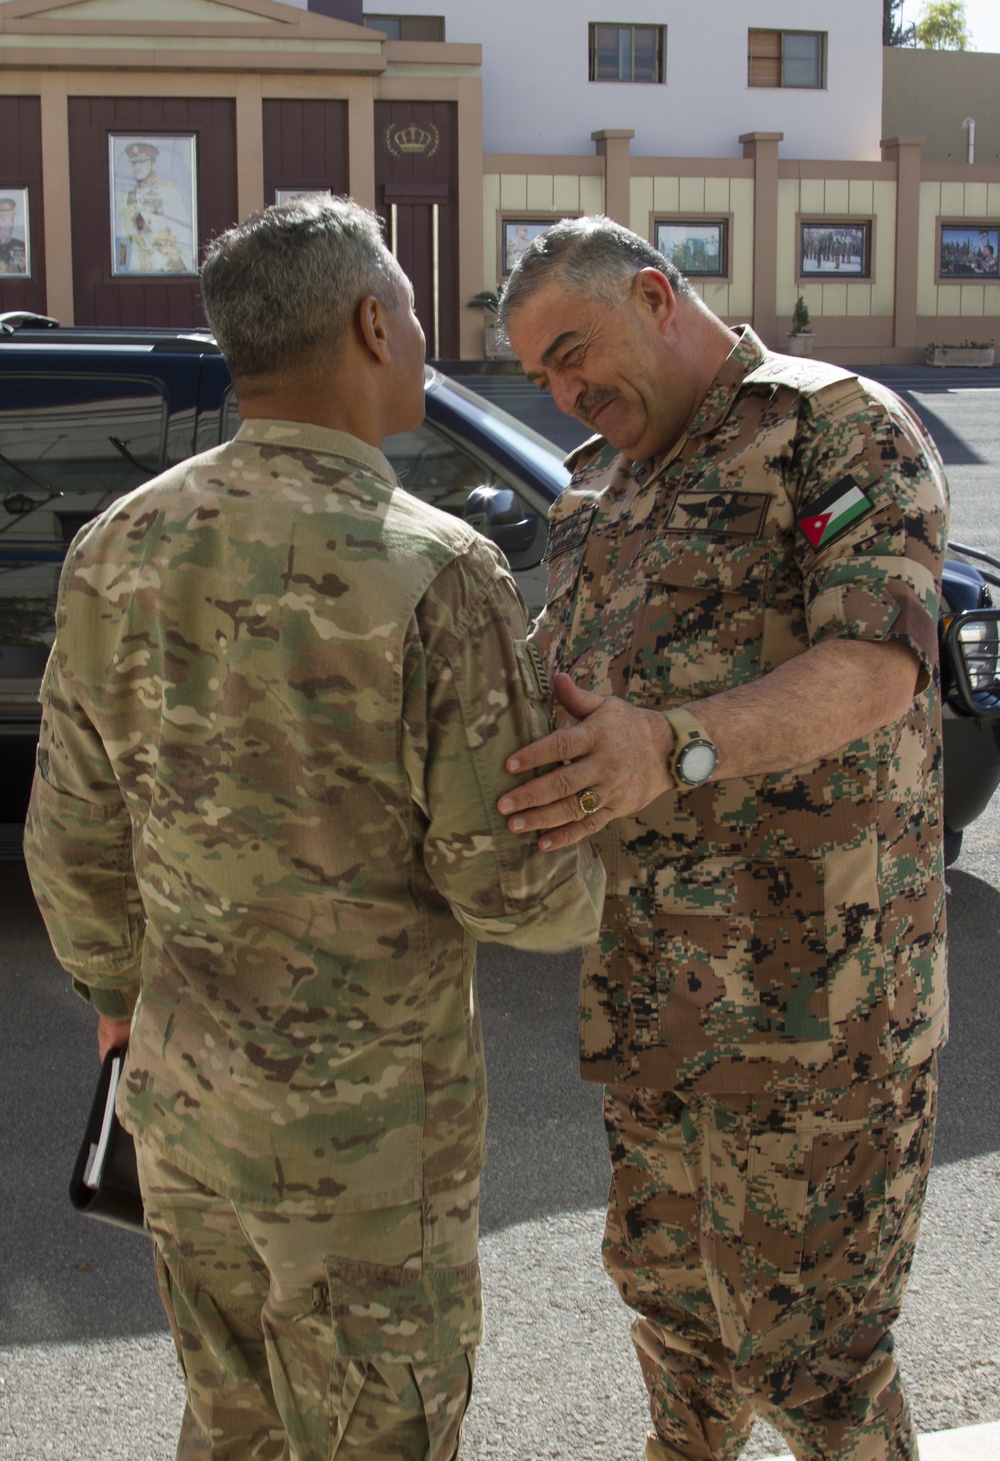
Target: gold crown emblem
413, 140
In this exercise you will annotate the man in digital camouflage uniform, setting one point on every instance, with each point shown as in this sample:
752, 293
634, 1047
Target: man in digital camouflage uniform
274, 726
744, 580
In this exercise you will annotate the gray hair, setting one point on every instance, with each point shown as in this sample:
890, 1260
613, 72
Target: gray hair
593, 256
284, 285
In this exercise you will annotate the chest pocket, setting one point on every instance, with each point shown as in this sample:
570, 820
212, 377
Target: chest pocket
700, 626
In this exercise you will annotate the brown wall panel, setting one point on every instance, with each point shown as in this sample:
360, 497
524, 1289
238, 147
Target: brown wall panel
21, 167
305, 145
99, 298
416, 169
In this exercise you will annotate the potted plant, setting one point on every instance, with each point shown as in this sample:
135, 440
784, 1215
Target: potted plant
970, 352
488, 300
801, 336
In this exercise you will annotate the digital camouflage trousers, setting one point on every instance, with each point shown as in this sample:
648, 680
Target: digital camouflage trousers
305, 1335
765, 1243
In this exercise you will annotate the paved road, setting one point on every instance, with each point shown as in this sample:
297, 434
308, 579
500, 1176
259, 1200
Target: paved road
86, 1369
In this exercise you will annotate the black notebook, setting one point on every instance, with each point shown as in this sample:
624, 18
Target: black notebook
105, 1181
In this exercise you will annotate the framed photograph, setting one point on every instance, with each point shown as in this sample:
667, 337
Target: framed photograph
829, 249
515, 236
969, 251
695, 246
288, 195
154, 215
15, 237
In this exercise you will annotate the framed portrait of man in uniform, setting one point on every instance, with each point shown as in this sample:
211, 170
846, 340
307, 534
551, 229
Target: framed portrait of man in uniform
15, 240
516, 235
289, 195
154, 214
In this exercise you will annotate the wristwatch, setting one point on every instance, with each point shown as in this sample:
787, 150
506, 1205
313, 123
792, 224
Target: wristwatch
694, 756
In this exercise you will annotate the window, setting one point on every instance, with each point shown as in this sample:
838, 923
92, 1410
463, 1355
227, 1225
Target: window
627, 52
786, 58
408, 27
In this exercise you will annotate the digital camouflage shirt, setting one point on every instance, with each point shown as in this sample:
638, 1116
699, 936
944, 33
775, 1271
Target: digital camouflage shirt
773, 927
275, 721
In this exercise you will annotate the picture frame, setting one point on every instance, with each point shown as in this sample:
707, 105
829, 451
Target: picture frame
697, 247
15, 234
835, 248
969, 249
288, 195
515, 236
154, 211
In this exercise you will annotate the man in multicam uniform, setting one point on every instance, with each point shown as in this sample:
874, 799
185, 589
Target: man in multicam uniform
744, 589
274, 726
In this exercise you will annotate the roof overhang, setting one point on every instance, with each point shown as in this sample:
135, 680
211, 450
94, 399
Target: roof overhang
258, 35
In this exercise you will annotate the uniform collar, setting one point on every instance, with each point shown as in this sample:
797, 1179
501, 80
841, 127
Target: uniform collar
746, 355
303, 436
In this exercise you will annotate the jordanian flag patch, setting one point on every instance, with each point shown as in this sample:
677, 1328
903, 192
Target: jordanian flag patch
842, 505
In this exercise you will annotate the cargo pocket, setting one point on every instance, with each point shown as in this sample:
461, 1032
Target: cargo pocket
427, 1322
745, 945
812, 1232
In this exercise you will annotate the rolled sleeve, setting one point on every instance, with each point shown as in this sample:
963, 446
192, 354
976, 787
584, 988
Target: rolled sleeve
878, 578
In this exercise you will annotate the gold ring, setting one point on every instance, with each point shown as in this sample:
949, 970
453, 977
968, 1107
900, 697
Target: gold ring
588, 801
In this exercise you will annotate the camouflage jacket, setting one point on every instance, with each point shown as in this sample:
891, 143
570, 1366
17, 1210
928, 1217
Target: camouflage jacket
275, 720
774, 925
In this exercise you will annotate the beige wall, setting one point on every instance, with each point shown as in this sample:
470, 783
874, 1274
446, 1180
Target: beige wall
930, 93
868, 201
953, 201
689, 195
541, 187
884, 319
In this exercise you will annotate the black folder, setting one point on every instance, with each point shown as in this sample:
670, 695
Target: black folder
105, 1181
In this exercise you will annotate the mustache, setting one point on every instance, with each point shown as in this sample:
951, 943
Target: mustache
587, 405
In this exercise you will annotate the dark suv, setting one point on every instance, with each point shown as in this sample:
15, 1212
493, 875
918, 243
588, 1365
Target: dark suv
89, 414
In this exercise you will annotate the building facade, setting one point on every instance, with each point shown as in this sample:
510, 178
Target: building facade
128, 139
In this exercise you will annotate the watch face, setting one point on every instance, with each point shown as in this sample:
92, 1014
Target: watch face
697, 762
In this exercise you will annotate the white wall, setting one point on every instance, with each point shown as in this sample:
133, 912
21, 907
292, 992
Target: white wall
536, 96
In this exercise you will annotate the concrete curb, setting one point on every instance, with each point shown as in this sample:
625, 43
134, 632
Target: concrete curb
968, 1443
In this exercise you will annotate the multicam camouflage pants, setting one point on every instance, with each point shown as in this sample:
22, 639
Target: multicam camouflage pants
765, 1244
305, 1336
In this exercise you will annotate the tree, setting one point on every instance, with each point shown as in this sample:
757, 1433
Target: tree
894, 32
942, 26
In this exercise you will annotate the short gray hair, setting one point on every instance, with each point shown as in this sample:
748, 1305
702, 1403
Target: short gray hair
284, 285
593, 256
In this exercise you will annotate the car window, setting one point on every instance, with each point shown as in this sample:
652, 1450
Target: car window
56, 442
435, 468
58, 468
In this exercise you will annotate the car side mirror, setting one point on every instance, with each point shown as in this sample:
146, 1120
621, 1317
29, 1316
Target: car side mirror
971, 644
500, 515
